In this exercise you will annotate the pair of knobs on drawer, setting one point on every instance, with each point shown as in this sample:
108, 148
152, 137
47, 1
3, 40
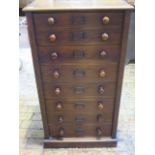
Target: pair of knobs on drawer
99, 118
105, 20
59, 105
101, 90
56, 73
104, 37
54, 55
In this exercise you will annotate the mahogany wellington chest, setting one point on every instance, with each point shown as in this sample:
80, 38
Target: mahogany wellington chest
78, 49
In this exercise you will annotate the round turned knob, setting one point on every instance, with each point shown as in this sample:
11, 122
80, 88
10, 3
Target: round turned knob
105, 20
60, 119
105, 36
51, 20
101, 89
59, 105
61, 132
102, 73
52, 37
57, 91
103, 54
99, 131
56, 74
100, 105
54, 55
99, 118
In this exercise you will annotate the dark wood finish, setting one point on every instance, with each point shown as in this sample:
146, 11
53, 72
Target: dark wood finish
73, 20
88, 129
75, 54
121, 70
78, 90
68, 119
79, 73
79, 36
79, 61
87, 101
31, 31
82, 107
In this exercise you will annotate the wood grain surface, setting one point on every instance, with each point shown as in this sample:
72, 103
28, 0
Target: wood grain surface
86, 90
79, 54
68, 63
80, 37
70, 130
79, 73
74, 20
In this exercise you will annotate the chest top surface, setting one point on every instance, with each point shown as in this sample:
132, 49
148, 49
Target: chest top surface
49, 5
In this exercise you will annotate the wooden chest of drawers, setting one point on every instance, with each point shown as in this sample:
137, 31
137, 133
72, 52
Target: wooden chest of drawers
78, 50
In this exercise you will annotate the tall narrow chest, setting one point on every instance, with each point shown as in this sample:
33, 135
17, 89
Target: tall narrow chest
78, 49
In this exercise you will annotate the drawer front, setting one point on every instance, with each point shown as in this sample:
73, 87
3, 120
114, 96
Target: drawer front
79, 90
93, 36
71, 54
48, 21
80, 106
71, 130
79, 73
96, 119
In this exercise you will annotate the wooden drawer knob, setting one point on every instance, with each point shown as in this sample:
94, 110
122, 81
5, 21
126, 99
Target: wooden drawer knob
59, 105
52, 37
57, 90
103, 54
56, 74
101, 89
51, 20
102, 73
60, 119
99, 118
100, 105
105, 20
61, 132
54, 55
105, 36
99, 131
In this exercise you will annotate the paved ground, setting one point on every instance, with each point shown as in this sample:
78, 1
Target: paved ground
30, 126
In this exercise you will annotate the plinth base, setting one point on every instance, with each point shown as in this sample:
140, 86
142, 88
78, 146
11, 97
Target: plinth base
80, 142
